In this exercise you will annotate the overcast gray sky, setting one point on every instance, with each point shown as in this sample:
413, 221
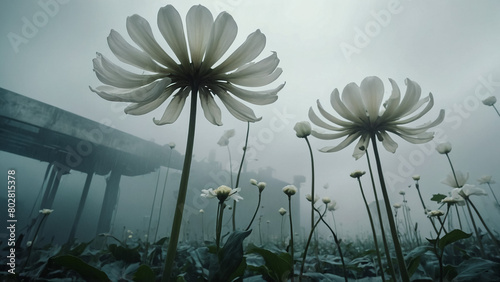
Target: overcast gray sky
451, 48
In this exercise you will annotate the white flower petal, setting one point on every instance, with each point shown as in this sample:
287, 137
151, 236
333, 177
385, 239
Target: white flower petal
389, 143
131, 55
174, 108
222, 36
393, 101
411, 98
199, 22
317, 121
340, 107
330, 136
346, 142
249, 50
111, 74
264, 97
351, 96
256, 80
210, 109
170, 25
372, 94
140, 31
146, 107
262, 68
332, 118
362, 143
236, 108
136, 95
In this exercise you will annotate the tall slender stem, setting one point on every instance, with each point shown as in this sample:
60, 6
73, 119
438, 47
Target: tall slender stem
496, 110
479, 242
151, 215
239, 173
312, 183
493, 193
382, 228
291, 236
181, 199
453, 171
373, 230
399, 253
493, 238
304, 255
162, 197
218, 228
255, 213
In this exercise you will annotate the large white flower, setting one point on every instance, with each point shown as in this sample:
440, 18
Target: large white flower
196, 68
452, 182
469, 190
223, 193
363, 115
486, 179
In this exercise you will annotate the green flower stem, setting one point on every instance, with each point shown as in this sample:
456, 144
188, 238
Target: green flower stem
373, 230
399, 253
493, 238
151, 214
304, 255
181, 199
281, 229
496, 110
436, 243
34, 240
423, 205
230, 167
255, 213
458, 216
493, 193
382, 229
312, 183
337, 242
238, 176
481, 248
291, 236
453, 170
218, 224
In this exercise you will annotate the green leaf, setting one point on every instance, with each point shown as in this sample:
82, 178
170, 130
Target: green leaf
438, 197
413, 258
452, 237
230, 257
78, 250
144, 273
277, 266
125, 254
87, 271
477, 269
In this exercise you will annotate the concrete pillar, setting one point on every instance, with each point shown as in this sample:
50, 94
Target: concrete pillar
109, 202
81, 205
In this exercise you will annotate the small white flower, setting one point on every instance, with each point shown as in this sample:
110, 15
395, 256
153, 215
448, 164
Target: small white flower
45, 211
486, 179
416, 177
402, 193
397, 206
309, 198
202, 211
332, 206
29, 243
326, 200
171, 145
282, 211
261, 186
302, 129
290, 190
461, 178
455, 198
435, 213
224, 139
357, 173
490, 101
253, 182
444, 148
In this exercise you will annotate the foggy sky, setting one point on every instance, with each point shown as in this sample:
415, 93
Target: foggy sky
449, 47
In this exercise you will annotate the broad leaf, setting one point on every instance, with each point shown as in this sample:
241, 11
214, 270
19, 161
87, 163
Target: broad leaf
452, 237
229, 257
144, 273
438, 197
87, 271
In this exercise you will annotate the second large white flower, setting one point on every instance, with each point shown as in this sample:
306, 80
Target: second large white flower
195, 68
363, 116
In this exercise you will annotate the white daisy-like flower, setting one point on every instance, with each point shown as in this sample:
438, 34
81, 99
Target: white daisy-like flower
326, 200
461, 178
195, 67
309, 198
223, 193
485, 179
454, 198
363, 116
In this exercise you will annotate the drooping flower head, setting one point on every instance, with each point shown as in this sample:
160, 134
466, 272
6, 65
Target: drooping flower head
363, 116
468, 190
444, 148
194, 67
261, 186
302, 129
224, 139
253, 182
